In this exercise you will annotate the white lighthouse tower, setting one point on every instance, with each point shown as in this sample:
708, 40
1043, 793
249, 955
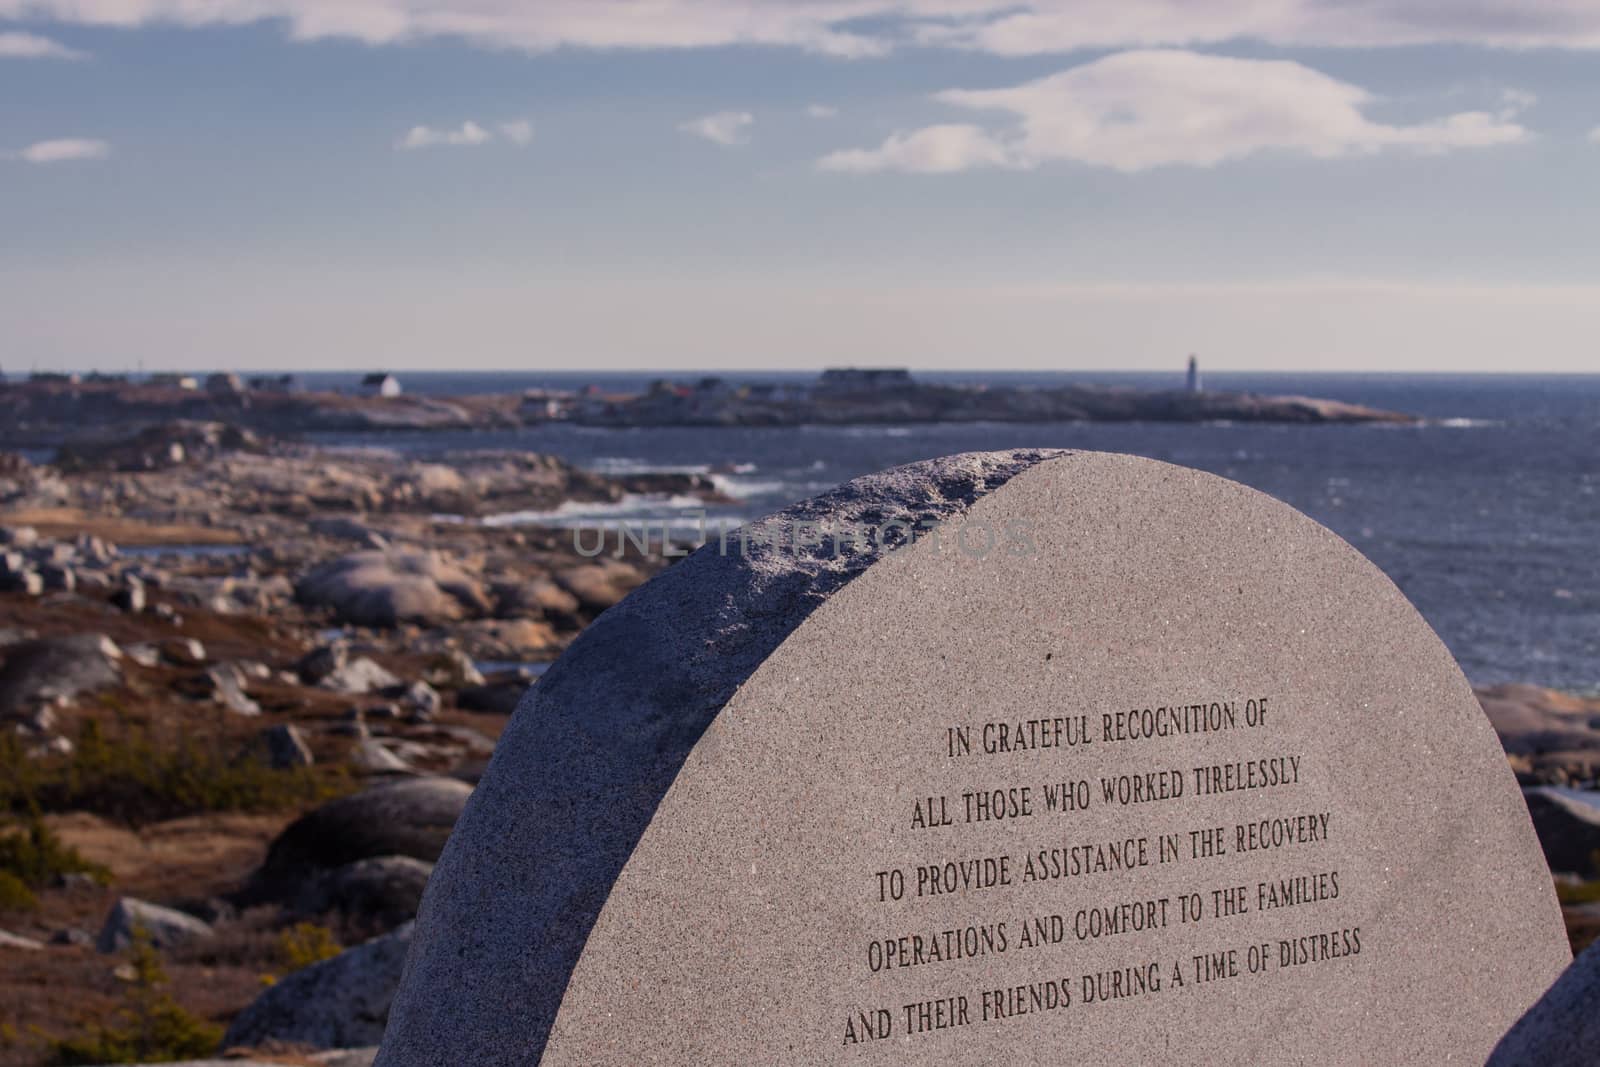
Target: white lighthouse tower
1194, 374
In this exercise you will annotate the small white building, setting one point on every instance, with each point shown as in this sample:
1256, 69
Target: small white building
380, 385
546, 404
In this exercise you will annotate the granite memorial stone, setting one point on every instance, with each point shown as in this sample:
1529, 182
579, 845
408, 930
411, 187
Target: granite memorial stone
1022, 757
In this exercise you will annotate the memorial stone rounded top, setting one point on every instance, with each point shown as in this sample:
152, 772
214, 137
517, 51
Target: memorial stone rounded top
1024, 757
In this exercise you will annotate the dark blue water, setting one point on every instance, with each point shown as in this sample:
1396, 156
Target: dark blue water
1486, 518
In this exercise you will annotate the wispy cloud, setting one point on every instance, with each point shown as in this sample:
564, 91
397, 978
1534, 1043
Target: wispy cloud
468, 134
32, 46
836, 27
517, 131
64, 150
1136, 110
724, 127
942, 149
821, 111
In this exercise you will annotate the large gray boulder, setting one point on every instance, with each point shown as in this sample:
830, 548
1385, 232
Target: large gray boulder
378, 893
383, 588
359, 675
52, 668
165, 927
411, 817
341, 1002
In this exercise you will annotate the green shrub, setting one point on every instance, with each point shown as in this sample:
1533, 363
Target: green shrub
15, 894
1581, 893
306, 943
36, 857
134, 779
150, 1027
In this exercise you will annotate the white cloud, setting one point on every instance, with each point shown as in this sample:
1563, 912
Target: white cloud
468, 134
834, 27
1136, 110
930, 150
32, 46
1594, 135
724, 127
64, 150
517, 131
821, 111
1055, 26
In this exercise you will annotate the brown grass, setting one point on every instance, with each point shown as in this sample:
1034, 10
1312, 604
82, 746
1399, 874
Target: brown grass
70, 522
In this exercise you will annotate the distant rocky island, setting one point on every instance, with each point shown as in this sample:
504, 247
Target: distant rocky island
47, 408
850, 395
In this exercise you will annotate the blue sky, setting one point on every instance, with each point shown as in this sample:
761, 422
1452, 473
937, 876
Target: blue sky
1375, 185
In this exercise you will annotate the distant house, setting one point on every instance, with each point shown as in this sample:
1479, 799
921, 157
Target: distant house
864, 379
546, 404
380, 385
224, 385
170, 380
53, 376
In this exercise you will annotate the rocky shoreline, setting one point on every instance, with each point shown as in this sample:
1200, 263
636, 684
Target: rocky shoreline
246, 686
205, 635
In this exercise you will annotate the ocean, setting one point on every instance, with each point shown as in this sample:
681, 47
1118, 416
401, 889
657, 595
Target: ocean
1487, 516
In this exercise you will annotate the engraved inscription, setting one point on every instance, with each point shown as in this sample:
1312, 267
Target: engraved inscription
1219, 872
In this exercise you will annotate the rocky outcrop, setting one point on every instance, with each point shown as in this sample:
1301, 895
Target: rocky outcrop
224, 683
169, 444
376, 588
285, 747
598, 585
1552, 737
341, 1002
165, 927
382, 892
412, 817
46, 670
360, 675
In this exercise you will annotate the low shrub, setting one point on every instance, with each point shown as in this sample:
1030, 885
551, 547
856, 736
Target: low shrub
15, 894
134, 779
1578, 893
306, 943
150, 1027
36, 858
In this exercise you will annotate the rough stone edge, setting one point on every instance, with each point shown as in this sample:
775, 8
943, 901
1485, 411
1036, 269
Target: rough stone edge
615, 719
1562, 1029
